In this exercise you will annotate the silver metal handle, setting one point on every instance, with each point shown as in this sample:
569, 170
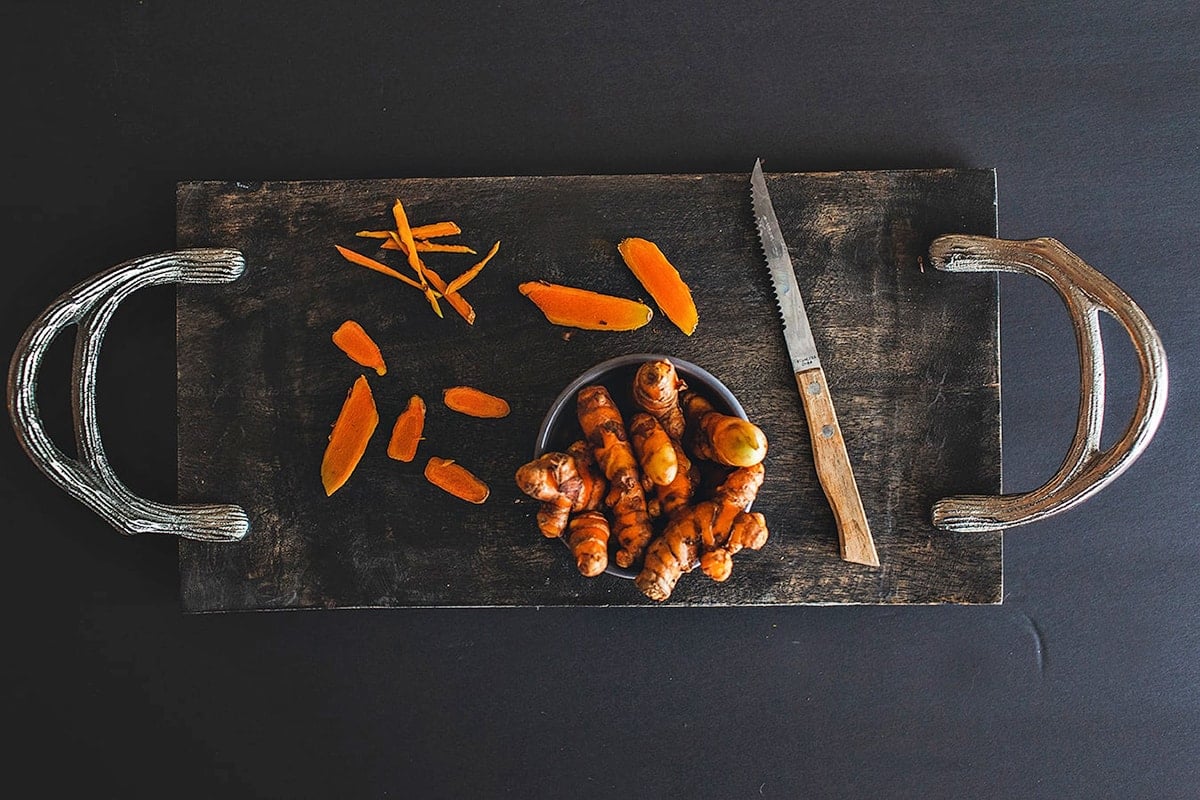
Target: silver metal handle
90, 478
1086, 469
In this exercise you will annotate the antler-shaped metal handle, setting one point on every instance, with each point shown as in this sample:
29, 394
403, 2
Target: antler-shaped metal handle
1086, 469
90, 478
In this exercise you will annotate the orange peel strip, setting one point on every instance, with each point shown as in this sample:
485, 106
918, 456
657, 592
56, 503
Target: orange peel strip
662, 281
359, 346
348, 439
580, 308
370, 263
468, 276
424, 246
406, 434
456, 479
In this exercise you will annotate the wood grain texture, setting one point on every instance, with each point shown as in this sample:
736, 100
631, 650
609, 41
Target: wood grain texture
834, 470
911, 356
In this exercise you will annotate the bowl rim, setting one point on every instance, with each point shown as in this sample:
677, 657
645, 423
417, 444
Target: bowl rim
592, 374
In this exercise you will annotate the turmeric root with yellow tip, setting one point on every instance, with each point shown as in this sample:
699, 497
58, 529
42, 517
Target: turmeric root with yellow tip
718, 437
653, 448
678, 493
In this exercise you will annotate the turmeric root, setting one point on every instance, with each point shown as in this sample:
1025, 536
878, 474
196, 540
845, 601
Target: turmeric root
678, 493
348, 439
565, 483
406, 434
656, 390
713, 530
731, 441
662, 281
352, 340
588, 539
474, 403
605, 431
456, 479
553, 479
749, 531
673, 553
653, 449
579, 308
736, 493
594, 485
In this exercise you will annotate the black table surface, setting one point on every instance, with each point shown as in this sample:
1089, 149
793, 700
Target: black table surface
1083, 682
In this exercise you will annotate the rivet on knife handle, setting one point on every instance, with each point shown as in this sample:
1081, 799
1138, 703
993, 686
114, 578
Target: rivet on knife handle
833, 469
829, 449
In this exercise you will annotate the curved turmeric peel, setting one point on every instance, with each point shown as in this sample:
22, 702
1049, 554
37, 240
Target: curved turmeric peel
456, 479
434, 230
579, 308
662, 281
456, 300
469, 275
406, 433
414, 260
474, 403
370, 263
361, 348
349, 437
424, 246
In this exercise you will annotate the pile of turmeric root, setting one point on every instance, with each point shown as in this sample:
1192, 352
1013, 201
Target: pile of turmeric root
646, 476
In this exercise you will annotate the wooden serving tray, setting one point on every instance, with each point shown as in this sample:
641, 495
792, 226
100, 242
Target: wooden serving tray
911, 354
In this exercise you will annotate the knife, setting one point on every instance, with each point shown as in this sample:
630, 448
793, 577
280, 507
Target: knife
829, 448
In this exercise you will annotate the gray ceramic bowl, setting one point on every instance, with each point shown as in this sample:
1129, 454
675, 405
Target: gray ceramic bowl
561, 427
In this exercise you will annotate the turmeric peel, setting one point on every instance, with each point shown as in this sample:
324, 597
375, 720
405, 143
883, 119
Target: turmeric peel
468, 276
433, 230
474, 402
406, 434
456, 479
360, 347
425, 246
662, 281
580, 308
348, 439
370, 263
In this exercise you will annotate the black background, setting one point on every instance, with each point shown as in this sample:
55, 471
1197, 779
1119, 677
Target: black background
1085, 682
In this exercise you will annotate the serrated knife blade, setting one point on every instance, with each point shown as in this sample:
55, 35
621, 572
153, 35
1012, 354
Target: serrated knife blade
829, 447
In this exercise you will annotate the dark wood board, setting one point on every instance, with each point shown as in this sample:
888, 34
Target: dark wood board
912, 358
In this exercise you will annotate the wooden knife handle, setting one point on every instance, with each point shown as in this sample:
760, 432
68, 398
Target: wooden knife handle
833, 469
